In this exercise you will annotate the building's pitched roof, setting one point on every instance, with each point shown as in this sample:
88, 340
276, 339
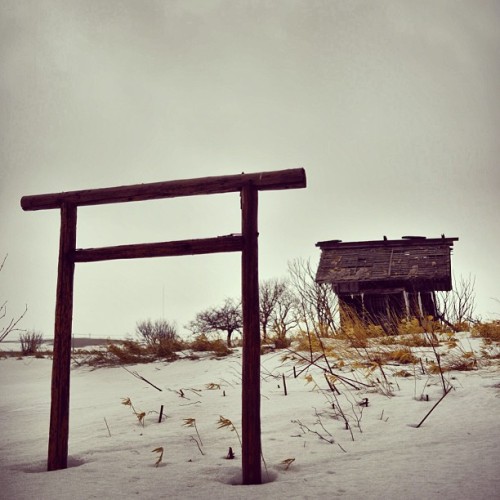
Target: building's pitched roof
412, 261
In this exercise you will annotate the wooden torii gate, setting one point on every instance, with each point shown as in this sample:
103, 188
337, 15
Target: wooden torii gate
248, 185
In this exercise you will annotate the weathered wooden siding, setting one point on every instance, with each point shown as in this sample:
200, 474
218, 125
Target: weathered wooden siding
420, 264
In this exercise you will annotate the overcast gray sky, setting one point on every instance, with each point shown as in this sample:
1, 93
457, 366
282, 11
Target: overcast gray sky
392, 108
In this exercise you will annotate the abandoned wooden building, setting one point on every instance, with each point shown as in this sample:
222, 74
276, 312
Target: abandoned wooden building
387, 280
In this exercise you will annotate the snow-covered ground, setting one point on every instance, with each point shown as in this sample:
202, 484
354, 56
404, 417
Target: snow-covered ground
455, 454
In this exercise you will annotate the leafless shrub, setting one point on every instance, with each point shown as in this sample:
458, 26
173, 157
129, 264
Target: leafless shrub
456, 308
31, 341
155, 332
161, 337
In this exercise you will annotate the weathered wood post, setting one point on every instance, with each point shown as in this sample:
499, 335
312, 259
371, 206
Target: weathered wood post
61, 364
250, 416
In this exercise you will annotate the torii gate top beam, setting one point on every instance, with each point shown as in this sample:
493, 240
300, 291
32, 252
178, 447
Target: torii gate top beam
262, 181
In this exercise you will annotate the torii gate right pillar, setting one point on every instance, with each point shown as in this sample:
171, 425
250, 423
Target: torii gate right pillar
250, 415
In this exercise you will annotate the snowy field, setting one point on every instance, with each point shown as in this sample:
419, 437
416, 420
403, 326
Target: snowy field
455, 454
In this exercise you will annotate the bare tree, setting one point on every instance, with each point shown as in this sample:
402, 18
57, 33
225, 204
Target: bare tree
227, 318
156, 332
270, 293
11, 325
457, 307
285, 317
317, 304
278, 311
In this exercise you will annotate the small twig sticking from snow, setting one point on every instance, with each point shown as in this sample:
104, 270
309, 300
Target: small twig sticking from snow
107, 426
434, 342
197, 444
422, 366
422, 396
345, 380
140, 377
287, 462
284, 385
180, 393
432, 409
343, 415
160, 458
191, 422
304, 428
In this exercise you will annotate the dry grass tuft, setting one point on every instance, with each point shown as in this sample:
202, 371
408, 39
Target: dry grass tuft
358, 332
402, 355
128, 352
202, 344
489, 331
417, 340
310, 343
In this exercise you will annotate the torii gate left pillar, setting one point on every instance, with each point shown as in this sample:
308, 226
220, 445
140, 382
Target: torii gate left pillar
248, 185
